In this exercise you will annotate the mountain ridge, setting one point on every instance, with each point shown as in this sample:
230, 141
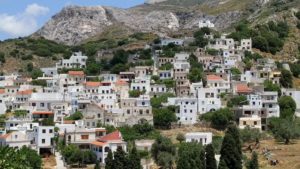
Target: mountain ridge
74, 24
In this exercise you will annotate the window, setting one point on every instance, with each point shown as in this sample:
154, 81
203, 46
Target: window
43, 141
255, 122
50, 131
84, 137
42, 104
44, 131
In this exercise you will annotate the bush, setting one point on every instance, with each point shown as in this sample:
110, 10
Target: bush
2, 57
39, 83
237, 101
136, 93
75, 116
250, 135
35, 73
219, 119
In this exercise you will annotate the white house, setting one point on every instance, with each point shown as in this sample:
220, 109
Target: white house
253, 121
200, 137
208, 100
77, 60
187, 113
206, 23
108, 142
43, 138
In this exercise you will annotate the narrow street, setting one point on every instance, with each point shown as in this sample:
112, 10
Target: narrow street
59, 161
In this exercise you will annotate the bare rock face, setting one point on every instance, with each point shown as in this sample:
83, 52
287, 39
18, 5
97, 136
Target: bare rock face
75, 24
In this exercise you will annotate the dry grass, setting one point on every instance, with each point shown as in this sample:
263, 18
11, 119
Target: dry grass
287, 155
296, 82
173, 132
49, 162
226, 6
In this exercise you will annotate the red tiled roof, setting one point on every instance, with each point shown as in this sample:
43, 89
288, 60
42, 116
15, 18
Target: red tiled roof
93, 84
2, 91
69, 121
43, 112
25, 92
98, 143
116, 135
243, 88
213, 77
76, 73
4, 136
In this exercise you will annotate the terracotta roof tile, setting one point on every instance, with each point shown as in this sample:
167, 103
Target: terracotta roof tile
243, 88
76, 73
4, 136
93, 84
116, 135
2, 91
213, 78
43, 112
98, 143
69, 121
25, 92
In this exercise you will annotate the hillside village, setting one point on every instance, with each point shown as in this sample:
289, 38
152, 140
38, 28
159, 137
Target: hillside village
217, 82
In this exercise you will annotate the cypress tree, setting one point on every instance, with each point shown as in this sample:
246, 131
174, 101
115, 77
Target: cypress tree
210, 157
233, 130
109, 161
134, 159
120, 159
253, 163
222, 165
231, 150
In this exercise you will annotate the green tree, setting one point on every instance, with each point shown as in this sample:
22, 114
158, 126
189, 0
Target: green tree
231, 151
219, 119
2, 57
237, 101
164, 117
75, 116
180, 137
109, 161
253, 163
191, 156
269, 86
163, 145
120, 159
165, 160
135, 93
134, 159
286, 79
35, 73
287, 106
13, 158
222, 165
284, 129
250, 134
195, 75
156, 102
210, 160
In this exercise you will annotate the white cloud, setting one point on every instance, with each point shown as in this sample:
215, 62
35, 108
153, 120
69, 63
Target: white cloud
22, 24
36, 10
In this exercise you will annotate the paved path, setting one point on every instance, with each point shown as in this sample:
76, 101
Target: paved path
59, 161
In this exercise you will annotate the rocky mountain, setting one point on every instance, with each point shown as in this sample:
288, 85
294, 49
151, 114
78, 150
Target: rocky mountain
74, 24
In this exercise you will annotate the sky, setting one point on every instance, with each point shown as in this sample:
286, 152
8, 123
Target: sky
20, 18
